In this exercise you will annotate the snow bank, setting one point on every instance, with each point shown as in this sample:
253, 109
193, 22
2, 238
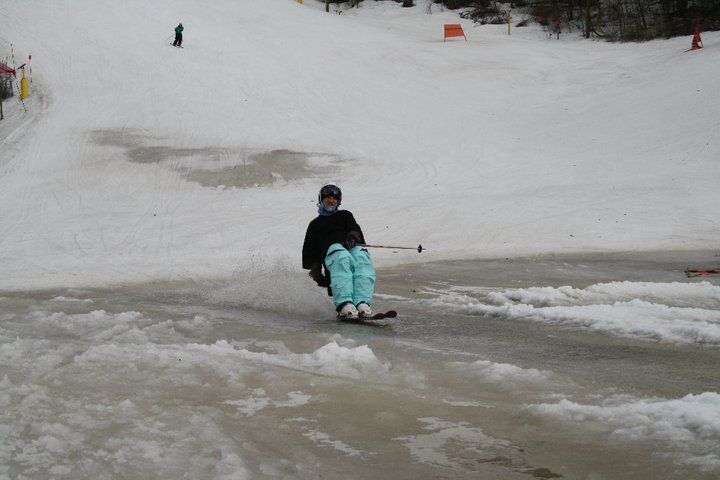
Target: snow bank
689, 427
624, 308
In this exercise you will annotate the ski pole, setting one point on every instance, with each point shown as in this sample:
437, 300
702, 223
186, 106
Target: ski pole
695, 273
419, 248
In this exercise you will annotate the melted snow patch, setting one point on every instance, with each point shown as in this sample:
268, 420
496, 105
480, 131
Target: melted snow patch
448, 443
259, 401
323, 439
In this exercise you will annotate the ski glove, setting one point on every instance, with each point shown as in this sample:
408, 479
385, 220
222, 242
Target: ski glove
352, 239
316, 274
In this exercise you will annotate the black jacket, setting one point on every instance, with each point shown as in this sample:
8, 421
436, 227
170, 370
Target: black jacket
323, 232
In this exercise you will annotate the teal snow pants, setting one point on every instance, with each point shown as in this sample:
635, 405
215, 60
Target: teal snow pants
352, 274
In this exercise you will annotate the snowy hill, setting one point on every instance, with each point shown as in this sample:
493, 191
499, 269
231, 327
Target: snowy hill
136, 161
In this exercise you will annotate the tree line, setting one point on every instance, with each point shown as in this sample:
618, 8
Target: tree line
615, 20
627, 20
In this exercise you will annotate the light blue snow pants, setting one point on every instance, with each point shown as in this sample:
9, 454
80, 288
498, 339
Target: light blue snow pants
352, 274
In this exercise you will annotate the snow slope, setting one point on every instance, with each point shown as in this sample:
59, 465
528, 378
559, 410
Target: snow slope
136, 161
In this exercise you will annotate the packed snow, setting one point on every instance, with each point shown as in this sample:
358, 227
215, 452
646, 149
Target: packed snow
136, 161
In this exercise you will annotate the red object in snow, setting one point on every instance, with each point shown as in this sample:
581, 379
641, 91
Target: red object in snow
696, 41
5, 69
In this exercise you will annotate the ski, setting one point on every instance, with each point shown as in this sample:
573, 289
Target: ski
381, 315
388, 314
377, 316
696, 273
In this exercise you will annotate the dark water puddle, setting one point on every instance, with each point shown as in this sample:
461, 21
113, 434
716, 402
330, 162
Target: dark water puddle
260, 169
217, 166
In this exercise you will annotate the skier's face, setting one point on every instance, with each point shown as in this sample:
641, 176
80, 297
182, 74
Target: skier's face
329, 201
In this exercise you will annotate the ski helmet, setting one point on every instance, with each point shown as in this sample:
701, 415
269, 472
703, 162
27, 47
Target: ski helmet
330, 191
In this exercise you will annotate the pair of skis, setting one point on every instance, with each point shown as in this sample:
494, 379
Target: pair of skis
700, 273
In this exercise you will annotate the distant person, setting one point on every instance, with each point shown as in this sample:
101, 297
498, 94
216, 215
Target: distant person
332, 241
178, 35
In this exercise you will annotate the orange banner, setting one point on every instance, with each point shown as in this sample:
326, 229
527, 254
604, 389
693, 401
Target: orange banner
454, 30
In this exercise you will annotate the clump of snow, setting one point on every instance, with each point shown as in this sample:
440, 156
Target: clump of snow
503, 372
702, 294
330, 359
613, 308
690, 425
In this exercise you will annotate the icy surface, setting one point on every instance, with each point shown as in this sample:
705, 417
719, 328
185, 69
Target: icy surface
215, 381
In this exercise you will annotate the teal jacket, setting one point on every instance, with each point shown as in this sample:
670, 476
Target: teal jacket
179, 29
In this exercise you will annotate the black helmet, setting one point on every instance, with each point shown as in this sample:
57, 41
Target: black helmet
330, 191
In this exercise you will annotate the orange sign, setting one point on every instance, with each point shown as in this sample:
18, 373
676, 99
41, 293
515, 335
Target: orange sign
454, 30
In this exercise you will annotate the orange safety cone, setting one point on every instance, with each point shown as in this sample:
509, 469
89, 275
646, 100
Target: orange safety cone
696, 41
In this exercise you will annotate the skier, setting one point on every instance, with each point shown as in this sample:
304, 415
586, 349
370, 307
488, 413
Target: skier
178, 35
331, 241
